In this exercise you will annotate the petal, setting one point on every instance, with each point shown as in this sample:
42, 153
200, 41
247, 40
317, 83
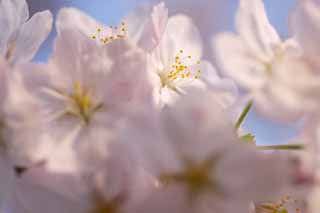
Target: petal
33, 196
253, 26
13, 13
235, 59
184, 35
305, 25
6, 179
31, 35
191, 123
128, 75
249, 174
137, 20
75, 58
154, 28
224, 89
72, 18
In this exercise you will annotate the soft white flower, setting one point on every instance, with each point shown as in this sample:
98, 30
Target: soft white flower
115, 187
175, 51
80, 94
260, 62
174, 47
211, 171
21, 37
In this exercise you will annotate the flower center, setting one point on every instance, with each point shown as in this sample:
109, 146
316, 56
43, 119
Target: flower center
184, 68
110, 34
82, 104
280, 206
103, 206
277, 57
196, 177
10, 49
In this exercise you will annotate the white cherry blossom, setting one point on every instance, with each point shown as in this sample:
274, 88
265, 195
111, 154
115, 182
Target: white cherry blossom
261, 63
81, 93
211, 170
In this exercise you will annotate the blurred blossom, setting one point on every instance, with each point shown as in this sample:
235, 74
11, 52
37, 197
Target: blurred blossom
209, 16
84, 88
260, 62
142, 107
174, 47
208, 157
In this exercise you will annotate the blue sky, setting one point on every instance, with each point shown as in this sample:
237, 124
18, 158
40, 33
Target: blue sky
111, 12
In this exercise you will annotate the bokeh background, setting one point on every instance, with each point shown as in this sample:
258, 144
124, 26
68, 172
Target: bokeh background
211, 16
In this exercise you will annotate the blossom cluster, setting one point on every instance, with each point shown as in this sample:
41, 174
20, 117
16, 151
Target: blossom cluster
131, 118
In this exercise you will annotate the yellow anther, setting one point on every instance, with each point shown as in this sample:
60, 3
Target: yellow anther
86, 102
77, 90
181, 69
117, 32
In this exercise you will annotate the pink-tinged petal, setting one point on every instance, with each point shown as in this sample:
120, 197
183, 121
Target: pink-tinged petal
184, 35
128, 77
253, 26
30, 37
35, 193
7, 178
74, 59
282, 97
154, 28
74, 19
236, 60
191, 125
164, 200
305, 26
271, 173
137, 20
225, 89
13, 13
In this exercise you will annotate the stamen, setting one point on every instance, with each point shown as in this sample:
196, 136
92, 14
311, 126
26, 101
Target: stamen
82, 104
111, 34
281, 205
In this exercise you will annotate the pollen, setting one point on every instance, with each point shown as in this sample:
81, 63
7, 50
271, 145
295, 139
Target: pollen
184, 68
196, 177
82, 104
112, 33
282, 205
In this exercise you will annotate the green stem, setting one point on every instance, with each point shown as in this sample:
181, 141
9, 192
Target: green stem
243, 114
283, 147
